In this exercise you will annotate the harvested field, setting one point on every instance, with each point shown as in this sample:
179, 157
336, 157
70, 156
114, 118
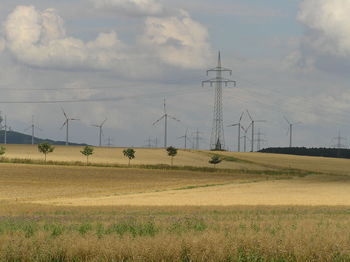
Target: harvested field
108, 155
40, 182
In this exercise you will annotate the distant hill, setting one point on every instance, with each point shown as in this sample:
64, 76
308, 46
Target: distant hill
303, 151
20, 138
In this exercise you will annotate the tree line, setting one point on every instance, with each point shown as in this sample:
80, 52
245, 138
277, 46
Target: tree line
304, 151
46, 148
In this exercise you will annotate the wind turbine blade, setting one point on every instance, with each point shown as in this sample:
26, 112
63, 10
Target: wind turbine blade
74, 119
297, 123
65, 122
174, 118
104, 122
95, 126
233, 125
250, 116
240, 119
286, 120
249, 126
38, 128
64, 113
160, 119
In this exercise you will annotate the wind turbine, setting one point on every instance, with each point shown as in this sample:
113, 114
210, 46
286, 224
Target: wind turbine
245, 130
185, 137
33, 127
239, 131
253, 125
290, 130
66, 123
165, 117
101, 131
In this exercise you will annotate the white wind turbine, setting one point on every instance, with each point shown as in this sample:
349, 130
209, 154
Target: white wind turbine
100, 127
66, 123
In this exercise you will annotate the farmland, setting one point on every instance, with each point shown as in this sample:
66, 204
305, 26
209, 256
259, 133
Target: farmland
252, 207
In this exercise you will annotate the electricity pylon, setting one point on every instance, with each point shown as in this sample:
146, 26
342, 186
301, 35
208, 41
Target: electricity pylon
239, 132
100, 131
66, 123
197, 138
4, 126
185, 138
260, 139
290, 130
33, 127
339, 140
217, 139
109, 142
252, 124
165, 117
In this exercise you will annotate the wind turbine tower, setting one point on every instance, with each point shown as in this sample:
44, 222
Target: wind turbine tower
66, 123
165, 117
290, 130
33, 127
239, 132
217, 139
101, 131
245, 130
253, 126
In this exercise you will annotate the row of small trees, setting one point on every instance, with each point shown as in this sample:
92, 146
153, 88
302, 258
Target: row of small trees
130, 153
87, 151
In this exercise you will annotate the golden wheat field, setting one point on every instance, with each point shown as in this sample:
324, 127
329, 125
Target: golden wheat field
251, 207
106, 155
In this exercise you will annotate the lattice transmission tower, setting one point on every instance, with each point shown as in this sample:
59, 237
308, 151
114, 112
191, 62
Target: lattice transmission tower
217, 139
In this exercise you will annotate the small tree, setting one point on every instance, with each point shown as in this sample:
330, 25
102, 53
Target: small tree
172, 151
45, 148
2, 150
215, 159
129, 153
87, 151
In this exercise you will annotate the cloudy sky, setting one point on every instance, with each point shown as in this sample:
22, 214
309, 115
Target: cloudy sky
118, 59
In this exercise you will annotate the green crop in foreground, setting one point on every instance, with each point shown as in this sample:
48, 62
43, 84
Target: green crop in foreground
177, 234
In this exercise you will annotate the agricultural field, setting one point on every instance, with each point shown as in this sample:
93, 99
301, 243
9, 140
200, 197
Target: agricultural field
251, 207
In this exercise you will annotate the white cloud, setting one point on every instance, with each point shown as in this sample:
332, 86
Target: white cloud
132, 7
326, 42
178, 40
39, 39
2, 44
329, 22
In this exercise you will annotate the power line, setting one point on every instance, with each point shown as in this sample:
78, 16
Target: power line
103, 99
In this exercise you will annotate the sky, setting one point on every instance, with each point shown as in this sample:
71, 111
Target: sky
119, 59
